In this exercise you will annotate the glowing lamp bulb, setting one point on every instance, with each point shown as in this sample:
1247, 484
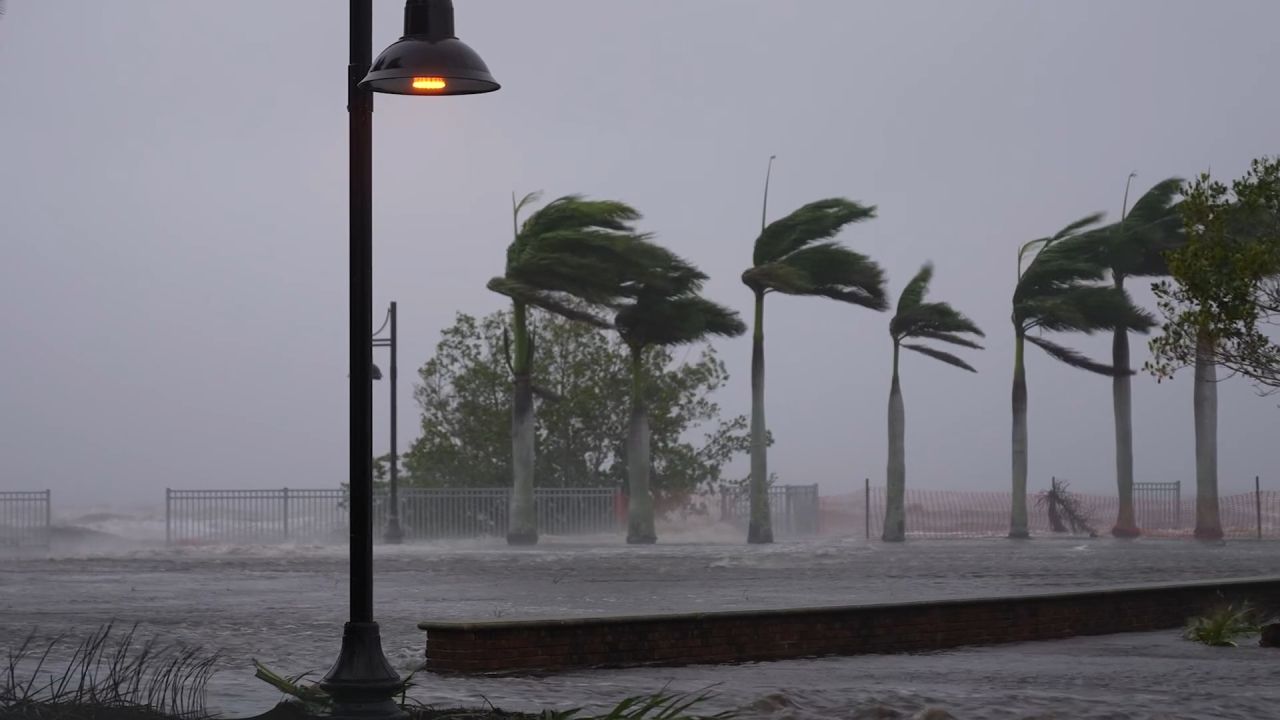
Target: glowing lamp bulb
428, 83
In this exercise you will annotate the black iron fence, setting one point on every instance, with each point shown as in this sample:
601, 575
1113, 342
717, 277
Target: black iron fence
25, 518
306, 515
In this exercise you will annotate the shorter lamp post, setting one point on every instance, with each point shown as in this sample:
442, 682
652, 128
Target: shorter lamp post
393, 534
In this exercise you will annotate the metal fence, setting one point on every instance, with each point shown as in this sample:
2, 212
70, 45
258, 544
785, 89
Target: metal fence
1157, 506
293, 515
25, 518
793, 509
1160, 511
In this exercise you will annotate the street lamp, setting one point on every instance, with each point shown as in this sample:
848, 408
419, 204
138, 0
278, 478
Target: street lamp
393, 534
430, 61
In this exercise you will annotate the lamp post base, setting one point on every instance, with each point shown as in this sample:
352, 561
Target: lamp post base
362, 683
394, 534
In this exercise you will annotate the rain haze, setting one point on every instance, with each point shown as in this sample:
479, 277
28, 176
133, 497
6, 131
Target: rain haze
174, 313
174, 217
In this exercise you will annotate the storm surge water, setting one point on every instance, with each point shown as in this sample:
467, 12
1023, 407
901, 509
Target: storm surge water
285, 605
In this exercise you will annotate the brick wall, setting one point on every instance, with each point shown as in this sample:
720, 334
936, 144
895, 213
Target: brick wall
738, 636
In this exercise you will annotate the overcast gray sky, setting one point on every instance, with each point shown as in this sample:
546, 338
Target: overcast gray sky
173, 215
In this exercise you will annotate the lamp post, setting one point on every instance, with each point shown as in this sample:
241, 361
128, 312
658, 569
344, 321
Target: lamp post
393, 535
427, 60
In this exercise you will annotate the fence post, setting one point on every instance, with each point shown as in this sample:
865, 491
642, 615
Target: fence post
1257, 502
1178, 516
286, 514
168, 523
866, 505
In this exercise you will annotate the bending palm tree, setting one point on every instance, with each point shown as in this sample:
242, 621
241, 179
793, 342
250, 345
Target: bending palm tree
795, 256
570, 258
1056, 293
916, 320
666, 311
1133, 247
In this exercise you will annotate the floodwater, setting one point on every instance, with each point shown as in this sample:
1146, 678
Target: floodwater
285, 606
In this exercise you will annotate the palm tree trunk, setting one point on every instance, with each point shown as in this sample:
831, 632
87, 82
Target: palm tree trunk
760, 529
522, 528
895, 524
1205, 398
640, 520
1018, 518
1122, 407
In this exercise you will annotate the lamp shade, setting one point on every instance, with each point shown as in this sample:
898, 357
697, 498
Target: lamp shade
429, 59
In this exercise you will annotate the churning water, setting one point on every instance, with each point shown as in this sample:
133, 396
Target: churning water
285, 606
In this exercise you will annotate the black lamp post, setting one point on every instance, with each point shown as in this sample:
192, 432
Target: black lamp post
428, 60
393, 535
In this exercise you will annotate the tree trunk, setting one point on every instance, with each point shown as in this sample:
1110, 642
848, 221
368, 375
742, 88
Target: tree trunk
522, 528
895, 524
1205, 398
1122, 407
640, 520
1018, 519
760, 529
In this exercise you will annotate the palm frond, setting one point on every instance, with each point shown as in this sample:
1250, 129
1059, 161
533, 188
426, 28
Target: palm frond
1077, 226
1155, 203
931, 317
555, 303
816, 221
915, 290
575, 211
946, 337
834, 271
945, 357
1086, 309
654, 319
1075, 359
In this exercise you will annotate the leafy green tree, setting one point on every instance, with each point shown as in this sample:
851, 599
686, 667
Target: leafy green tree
666, 311
1057, 291
796, 256
1133, 247
916, 320
569, 258
1223, 290
464, 395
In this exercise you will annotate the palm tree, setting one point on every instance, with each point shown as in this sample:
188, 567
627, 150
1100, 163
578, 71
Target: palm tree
666, 311
1133, 247
1057, 292
795, 256
916, 320
571, 258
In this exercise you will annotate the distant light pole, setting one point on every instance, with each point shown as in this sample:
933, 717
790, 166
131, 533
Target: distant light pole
428, 60
393, 535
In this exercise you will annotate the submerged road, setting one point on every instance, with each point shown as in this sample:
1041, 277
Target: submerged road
285, 606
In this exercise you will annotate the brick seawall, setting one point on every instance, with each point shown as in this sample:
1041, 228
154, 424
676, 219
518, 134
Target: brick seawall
740, 636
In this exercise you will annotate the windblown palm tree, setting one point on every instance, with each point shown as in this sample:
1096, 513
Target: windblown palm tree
1133, 247
571, 258
795, 256
916, 320
666, 310
1057, 292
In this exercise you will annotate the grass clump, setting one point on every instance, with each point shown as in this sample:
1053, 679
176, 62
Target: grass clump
1224, 625
108, 675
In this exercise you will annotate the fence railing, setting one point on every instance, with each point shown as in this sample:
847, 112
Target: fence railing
307, 515
25, 518
793, 509
1160, 512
